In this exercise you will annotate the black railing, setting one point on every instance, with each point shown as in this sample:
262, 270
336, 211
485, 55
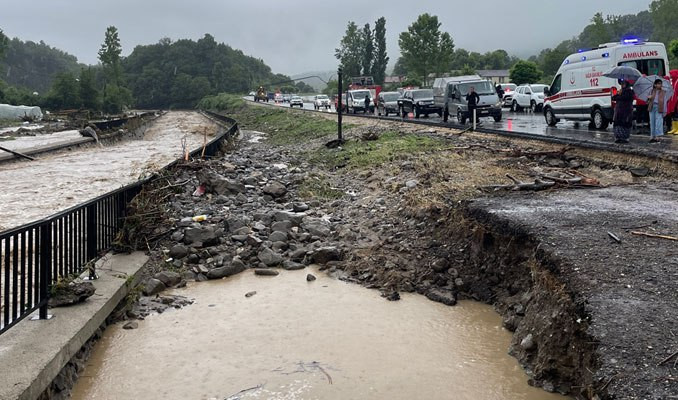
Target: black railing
38, 254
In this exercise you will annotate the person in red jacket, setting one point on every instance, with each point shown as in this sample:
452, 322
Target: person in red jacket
673, 102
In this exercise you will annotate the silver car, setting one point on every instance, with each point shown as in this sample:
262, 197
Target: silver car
387, 102
296, 101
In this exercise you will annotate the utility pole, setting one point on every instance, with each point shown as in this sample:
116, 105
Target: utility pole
339, 104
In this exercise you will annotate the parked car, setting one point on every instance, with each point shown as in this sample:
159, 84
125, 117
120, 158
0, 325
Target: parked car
508, 89
579, 90
387, 102
287, 98
321, 101
356, 101
419, 102
296, 101
252, 94
450, 94
528, 96
278, 98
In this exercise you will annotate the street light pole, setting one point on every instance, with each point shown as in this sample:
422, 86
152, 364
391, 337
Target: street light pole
339, 104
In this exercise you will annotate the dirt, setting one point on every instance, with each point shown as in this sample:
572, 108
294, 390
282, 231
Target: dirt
419, 216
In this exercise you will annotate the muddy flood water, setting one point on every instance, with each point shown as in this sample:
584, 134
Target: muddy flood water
307, 340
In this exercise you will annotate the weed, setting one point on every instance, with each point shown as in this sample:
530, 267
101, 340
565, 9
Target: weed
317, 187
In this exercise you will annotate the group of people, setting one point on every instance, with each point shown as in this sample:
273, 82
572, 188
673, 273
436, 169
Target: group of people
658, 104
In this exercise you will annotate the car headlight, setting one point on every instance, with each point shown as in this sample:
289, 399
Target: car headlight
498, 104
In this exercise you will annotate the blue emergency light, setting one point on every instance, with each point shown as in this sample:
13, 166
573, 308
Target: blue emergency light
605, 55
631, 40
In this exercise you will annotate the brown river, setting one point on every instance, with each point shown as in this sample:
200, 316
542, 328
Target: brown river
307, 340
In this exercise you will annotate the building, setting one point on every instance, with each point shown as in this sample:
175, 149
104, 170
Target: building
393, 79
495, 75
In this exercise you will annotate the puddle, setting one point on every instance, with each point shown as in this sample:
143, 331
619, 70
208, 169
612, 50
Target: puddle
298, 340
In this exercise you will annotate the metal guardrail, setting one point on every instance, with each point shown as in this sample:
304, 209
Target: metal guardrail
36, 255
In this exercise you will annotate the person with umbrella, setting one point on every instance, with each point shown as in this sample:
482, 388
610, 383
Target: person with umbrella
623, 112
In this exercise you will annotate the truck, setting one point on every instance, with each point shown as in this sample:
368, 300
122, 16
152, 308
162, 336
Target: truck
367, 83
260, 95
449, 94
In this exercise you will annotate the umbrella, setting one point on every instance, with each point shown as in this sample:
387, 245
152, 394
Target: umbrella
644, 84
623, 72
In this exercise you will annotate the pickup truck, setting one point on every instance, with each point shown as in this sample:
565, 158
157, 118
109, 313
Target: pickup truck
419, 102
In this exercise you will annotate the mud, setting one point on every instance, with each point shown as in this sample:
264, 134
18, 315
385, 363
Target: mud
306, 340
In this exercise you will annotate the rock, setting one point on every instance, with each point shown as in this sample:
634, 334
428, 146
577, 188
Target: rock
300, 207
294, 218
254, 241
310, 278
292, 266
71, 293
233, 223
299, 254
258, 226
217, 184
239, 238
269, 257
225, 271
275, 189
440, 265
556, 163
153, 286
639, 172
318, 229
193, 258
411, 184
237, 263
442, 296
282, 226
265, 272
325, 254
458, 282
528, 343
279, 247
131, 325
177, 236
168, 278
205, 235
393, 296
278, 236
250, 294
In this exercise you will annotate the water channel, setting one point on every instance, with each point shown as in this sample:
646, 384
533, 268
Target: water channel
295, 339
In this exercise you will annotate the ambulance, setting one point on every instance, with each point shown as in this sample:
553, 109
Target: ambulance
579, 90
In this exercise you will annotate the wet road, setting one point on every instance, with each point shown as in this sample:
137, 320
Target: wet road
534, 123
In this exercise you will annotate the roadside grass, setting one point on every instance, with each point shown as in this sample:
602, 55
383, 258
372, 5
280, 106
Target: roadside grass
285, 127
389, 147
6, 122
222, 102
317, 187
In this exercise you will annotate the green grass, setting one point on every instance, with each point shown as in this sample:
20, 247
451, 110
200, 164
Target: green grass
285, 127
317, 187
223, 102
391, 146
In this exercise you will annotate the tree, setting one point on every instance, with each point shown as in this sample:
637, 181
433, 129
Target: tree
367, 49
89, 95
467, 70
424, 48
596, 33
525, 72
332, 88
64, 93
664, 15
673, 52
3, 43
349, 51
380, 57
399, 68
109, 55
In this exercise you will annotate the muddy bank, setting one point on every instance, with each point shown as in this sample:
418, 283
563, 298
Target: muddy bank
391, 210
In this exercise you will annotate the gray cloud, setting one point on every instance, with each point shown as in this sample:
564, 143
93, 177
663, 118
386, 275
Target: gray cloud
300, 35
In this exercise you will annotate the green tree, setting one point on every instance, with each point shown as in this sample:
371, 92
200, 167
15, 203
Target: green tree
673, 52
349, 51
116, 99
65, 92
424, 48
89, 95
598, 32
467, 70
665, 16
3, 43
367, 49
399, 68
380, 56
525, 72
332, 88
109, 55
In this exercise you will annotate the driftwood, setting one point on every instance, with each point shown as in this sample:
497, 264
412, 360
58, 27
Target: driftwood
613, 236
664, 361
16, 153
652, 235
538, 184
544, 182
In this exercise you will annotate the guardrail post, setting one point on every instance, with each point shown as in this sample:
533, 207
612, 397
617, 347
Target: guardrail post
92, 237
45, 267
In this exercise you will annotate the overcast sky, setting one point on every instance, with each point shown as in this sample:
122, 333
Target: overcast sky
297, 36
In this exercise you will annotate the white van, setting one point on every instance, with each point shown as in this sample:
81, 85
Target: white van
579, 90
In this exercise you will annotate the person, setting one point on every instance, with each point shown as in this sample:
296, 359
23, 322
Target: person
657, 103
623, 112
367, 102
472, 99
500, 92
673, 103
